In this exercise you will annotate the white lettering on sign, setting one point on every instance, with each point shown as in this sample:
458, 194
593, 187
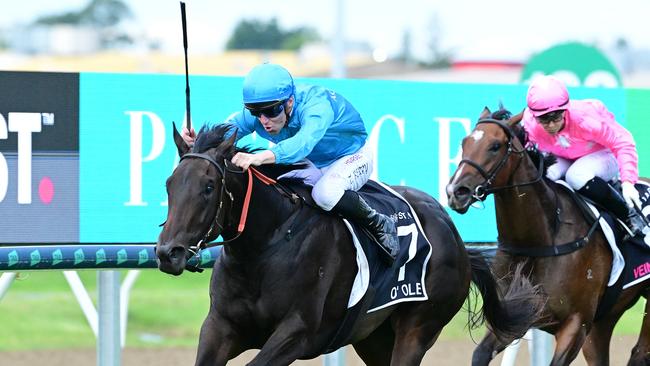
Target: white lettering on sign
25, 125
373, 141
137, 156
444, 152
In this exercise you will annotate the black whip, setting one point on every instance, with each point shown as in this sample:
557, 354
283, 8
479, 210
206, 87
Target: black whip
187, 75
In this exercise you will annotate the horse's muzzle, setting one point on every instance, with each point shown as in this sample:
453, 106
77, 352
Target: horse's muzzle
459, 197
171, 258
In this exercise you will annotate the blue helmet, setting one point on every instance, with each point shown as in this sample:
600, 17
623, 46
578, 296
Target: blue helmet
267, 83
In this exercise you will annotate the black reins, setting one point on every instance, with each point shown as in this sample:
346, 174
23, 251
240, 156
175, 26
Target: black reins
219, 218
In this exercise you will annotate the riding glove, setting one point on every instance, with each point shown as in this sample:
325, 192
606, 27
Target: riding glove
630, 194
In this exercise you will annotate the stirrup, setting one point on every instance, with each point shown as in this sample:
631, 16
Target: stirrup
629, 233
633, 228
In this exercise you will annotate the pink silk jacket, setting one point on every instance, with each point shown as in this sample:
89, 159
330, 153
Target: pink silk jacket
589, 127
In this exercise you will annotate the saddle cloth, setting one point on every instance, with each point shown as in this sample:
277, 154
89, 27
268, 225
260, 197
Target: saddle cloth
637, 250
631, 258
404, 280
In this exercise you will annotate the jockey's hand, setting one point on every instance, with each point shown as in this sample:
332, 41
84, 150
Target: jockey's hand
630, 194
188, 136
244, 160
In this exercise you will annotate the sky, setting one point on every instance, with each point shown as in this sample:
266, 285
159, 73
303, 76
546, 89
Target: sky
495, 29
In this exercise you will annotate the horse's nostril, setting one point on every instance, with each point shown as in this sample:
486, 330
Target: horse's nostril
176, 253
461, 191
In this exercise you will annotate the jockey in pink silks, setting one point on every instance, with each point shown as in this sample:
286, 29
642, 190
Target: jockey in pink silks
591, 147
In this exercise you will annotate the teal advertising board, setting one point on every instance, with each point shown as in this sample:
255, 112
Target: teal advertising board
106, 158
127, 150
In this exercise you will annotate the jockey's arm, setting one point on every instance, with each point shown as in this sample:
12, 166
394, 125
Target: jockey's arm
244, 160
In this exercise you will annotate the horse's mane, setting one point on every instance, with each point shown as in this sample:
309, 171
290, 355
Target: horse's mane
519, 132
211, 137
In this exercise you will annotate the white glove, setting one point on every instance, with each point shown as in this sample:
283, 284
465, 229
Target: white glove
630, 194
309, 173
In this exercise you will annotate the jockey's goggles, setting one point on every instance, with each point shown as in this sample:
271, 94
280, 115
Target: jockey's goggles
554, 116
268, 110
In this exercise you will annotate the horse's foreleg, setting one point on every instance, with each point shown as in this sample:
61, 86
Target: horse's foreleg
286, 344
641, 351
217, 344
569, 339
488, 349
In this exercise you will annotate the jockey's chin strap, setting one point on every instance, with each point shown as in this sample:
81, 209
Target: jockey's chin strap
206, 241
484, 189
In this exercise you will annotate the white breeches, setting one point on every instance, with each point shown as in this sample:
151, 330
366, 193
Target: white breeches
578, 172
350, 172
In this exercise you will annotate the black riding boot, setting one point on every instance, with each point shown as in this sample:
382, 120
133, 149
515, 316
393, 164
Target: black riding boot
604, 194
354, 208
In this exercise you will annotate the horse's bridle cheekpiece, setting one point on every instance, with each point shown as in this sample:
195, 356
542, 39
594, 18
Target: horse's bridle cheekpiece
217, 225
484, 189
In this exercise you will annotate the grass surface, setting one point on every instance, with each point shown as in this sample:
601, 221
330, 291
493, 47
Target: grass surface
40, 312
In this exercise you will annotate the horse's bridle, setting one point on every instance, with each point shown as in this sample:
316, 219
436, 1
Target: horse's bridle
215, 223
484, 189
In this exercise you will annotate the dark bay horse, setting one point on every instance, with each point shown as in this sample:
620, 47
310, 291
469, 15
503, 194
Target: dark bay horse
532, 215
284, 277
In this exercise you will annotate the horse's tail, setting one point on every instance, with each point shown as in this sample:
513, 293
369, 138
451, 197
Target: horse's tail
508, 315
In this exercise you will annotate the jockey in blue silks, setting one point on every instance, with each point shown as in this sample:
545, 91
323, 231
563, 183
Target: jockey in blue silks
309, 123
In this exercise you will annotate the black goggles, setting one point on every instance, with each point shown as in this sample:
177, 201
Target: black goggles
269, 111
547, 118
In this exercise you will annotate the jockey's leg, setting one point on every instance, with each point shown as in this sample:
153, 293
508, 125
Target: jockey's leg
336, 191
601, 192
589, 175
353, 207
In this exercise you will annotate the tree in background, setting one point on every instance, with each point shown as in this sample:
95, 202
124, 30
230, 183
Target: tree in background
261, 35
440, 57
101, 15
406, 53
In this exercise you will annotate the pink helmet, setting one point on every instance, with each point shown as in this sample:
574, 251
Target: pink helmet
547, 94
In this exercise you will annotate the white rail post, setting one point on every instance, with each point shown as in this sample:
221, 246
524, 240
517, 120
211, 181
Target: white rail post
541, 348
108, 304
336, 358
5, 281
125, 291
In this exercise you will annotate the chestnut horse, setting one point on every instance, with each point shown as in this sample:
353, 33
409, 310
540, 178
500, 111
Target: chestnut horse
535, 218
283, 279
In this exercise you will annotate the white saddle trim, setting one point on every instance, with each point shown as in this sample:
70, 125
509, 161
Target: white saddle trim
618, 263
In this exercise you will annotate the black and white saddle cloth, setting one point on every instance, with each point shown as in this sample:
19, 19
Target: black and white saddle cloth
377, 285
404, 280
637, 249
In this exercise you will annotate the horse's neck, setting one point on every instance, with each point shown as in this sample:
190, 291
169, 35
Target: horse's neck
268, 210
526, 215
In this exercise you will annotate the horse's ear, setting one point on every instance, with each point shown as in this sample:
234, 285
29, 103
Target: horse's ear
228, 143
515, 119
485, 114
181, 146
232, 139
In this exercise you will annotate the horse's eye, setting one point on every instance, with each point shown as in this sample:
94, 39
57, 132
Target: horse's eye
209, 188
495, 146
